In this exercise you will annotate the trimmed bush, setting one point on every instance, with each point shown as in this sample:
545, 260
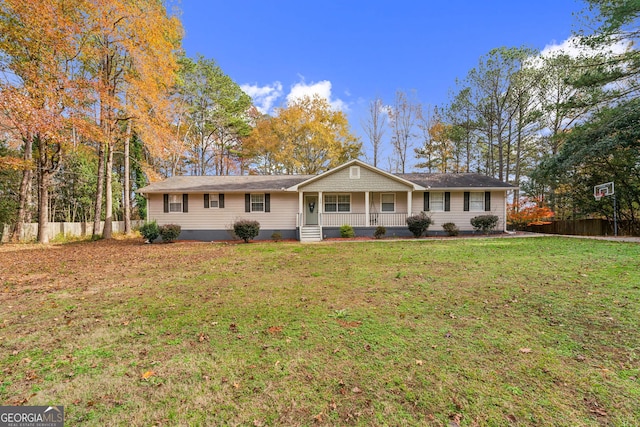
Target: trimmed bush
276, 236
484, 223
246, 229
170, 232
380, 232
418, 224
150, 231
347, 231
450, 228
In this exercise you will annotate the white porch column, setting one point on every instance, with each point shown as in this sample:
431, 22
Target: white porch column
300, 208
366, 209
409, 202
320, 205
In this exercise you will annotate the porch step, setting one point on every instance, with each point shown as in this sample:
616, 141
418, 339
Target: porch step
310, 234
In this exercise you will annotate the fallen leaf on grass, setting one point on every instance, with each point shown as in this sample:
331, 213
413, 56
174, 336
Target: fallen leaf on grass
599, 412
274, 330
419, 362
148, 375
455, 420
525, 350
351, 324
356, 390
202, 337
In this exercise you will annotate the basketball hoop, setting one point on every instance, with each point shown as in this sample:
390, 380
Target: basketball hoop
603, 190
608, 189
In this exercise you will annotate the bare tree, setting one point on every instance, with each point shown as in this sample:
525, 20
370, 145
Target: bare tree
403, 121
375, 125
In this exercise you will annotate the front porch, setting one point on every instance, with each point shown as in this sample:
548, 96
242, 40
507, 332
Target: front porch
321, 214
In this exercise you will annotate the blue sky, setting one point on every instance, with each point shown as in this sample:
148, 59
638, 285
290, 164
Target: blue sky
352, 51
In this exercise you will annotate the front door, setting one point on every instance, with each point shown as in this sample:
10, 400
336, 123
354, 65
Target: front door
311, 210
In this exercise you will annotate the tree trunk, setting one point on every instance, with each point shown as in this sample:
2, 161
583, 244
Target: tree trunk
49, 162
126, 199
24, 195
108, 214
43, 205
97, 207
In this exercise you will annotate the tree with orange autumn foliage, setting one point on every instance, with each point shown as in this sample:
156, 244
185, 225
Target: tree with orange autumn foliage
306, 137
528, 211
83, 71
41, 92
131, 62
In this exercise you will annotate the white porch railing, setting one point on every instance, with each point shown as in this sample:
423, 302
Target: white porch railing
339, 219
330, 219
388, 219
326, 219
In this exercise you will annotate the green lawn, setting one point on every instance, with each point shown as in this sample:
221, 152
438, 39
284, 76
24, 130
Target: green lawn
469, 332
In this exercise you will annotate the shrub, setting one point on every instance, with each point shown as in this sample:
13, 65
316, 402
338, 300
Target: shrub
246, 229
347, 231
418, 224
170, 232
276, 236
380, 232
450, 228
484, 223
150, 231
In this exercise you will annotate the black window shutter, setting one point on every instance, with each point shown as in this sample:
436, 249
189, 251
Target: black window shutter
447, 201
426, 201
166, 202
466, 201
185, 203
206, 201
221, 200
487, 200
267, 202
247, 202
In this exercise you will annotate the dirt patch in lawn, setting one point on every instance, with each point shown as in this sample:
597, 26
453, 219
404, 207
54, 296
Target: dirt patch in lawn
87, 265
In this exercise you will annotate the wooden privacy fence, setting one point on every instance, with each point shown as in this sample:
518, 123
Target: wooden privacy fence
586, 227
72, 229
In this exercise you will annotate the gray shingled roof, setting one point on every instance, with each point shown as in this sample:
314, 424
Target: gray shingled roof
214, 184
454, 180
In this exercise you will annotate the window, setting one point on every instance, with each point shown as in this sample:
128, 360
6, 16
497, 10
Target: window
388, 202
257, 203
175, 203
337, 203
436, 201
354, 172
214, 200
476, 201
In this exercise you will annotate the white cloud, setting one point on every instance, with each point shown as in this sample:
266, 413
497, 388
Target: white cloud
264, 97
321, 88
574, 48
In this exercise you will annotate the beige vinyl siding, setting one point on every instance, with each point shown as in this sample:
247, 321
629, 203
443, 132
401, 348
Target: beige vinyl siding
457, 215
284, 207
340, 181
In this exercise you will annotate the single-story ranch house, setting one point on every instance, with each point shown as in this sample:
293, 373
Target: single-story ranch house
313, 207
